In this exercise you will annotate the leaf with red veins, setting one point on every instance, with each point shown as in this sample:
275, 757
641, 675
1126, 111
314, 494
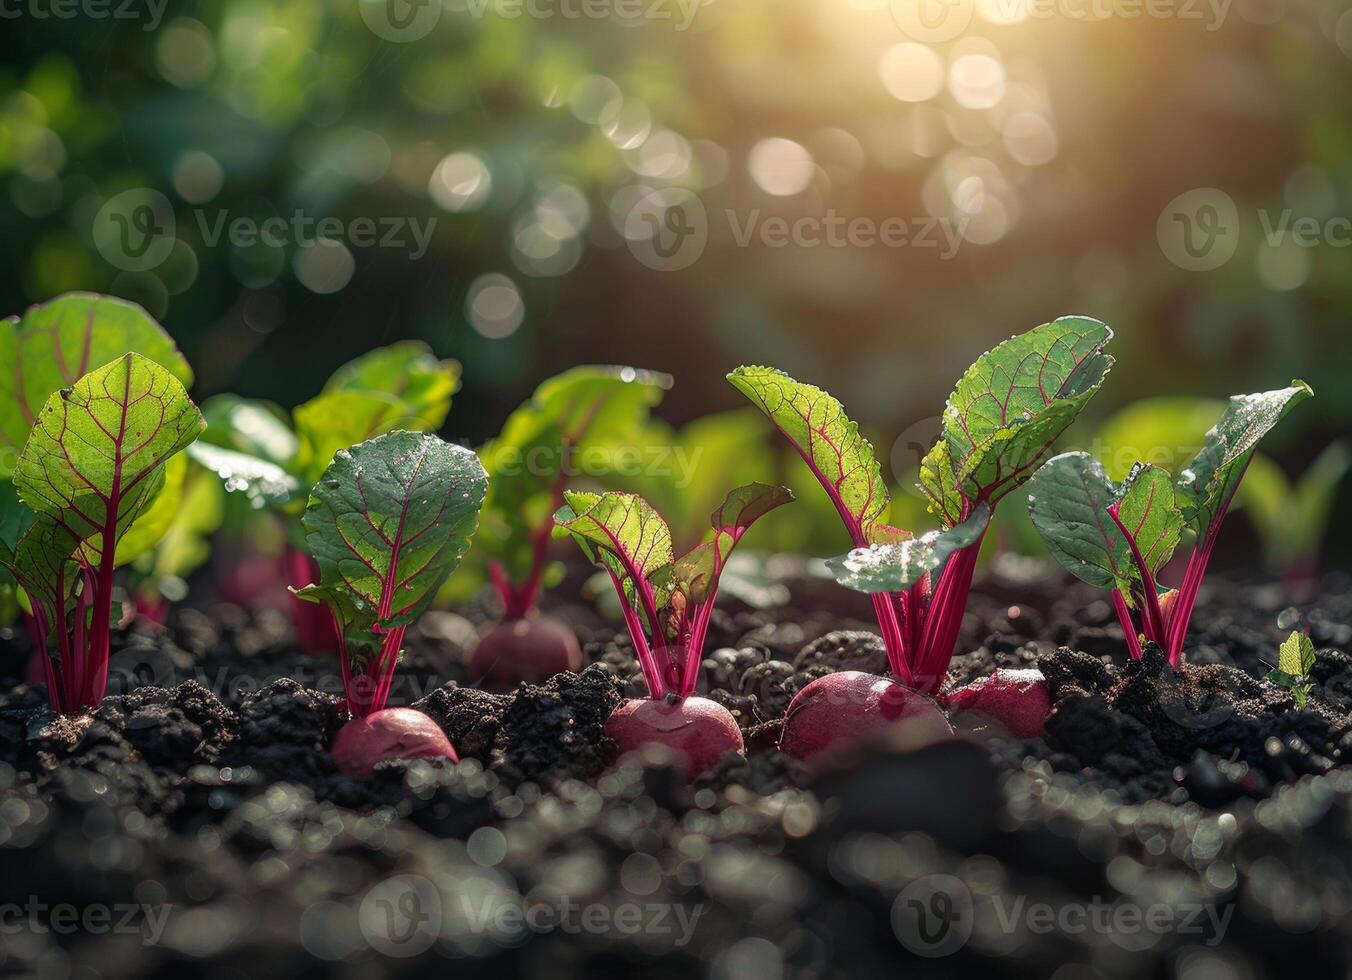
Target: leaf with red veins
694, 575
1008, 409
388, 523
53, 345
1148, 509
828, 441
631, 537
96, 456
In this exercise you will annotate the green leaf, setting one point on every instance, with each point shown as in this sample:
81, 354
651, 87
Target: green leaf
552, 437
398, 387
1166, 431
95, 459
1147, 509
389, 522
939, 483
746, 505
186, 544
152, 525
1282, 679
1293, 521
894, 567
1207, 484
56, 343
1068, 500
263, 482
410, 372
632, 538
44, 564
15, 517
827, 440
696, 574
1010, 406
1297, 656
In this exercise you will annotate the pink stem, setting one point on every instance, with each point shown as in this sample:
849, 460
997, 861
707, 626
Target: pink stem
943, 622
884, 607
1150, 601
652, 673
1128, 627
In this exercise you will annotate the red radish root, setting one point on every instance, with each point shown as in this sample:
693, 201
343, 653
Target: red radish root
394, 733
850, 706
1017, 700
697, 730
529, 650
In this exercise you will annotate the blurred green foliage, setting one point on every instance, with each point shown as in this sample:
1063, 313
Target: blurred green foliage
529, 139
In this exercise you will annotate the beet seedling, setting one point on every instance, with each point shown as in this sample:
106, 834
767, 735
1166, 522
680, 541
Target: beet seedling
51, 347
255, 451
1295, 662
92, 465
387, 524
529, 463
1120, 536
1000, 421
667, 601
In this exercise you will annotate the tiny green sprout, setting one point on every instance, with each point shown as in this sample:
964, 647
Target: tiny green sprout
1295, 660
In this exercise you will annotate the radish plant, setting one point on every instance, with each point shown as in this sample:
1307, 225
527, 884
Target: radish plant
667, 601
387, 524
1000, 421
1119, 537
257, 452
92, 465
50, 347
544, 443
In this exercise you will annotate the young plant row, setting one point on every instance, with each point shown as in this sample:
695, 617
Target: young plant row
95, 412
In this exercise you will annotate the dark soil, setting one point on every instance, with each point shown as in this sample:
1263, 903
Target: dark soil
201, 797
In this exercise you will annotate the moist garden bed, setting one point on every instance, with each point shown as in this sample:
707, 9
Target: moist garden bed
1170, 823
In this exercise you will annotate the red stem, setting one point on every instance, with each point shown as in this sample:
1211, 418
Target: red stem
1128, 627
653, 675
885, 609
943, 622
1153, 616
